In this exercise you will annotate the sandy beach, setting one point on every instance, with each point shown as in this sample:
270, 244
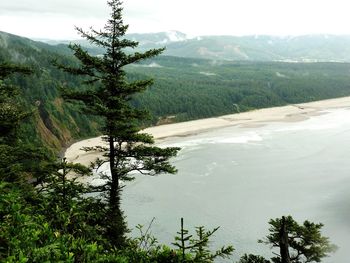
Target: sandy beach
251, 119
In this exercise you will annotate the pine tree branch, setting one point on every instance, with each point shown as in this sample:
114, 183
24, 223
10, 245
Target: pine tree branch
95, 37
137, 57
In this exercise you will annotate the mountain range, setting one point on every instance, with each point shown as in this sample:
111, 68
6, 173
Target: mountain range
306, 48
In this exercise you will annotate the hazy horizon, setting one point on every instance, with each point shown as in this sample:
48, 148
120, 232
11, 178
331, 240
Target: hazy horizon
191, 36
56, 20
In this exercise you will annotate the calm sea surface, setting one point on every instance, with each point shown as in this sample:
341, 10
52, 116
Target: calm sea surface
238, 178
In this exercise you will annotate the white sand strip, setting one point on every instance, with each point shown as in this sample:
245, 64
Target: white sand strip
296, 112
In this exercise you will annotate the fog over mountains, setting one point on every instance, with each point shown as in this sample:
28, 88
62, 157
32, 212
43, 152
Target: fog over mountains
306, 48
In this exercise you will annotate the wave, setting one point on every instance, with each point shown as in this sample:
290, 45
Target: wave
226, 138
333, 119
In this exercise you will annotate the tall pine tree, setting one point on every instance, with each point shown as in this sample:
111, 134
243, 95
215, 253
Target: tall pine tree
129, 151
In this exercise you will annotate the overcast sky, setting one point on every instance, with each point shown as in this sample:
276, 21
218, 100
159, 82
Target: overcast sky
55, 19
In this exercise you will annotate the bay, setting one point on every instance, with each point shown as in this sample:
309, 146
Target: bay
238, 178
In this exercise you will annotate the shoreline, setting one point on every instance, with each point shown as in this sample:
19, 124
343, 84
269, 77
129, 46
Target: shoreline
250, 119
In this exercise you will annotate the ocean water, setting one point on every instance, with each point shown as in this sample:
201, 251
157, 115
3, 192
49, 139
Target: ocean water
238, 178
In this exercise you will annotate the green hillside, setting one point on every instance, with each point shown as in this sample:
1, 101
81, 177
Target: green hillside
55, 123
184, 88
194, 88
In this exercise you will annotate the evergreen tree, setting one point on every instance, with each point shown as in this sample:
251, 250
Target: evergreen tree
12, 154
196, 249
252, 259
108, 96
11, 112
298, 243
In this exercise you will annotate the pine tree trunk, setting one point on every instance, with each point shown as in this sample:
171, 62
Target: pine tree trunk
116, 224
114, 192
284, 245
115, 179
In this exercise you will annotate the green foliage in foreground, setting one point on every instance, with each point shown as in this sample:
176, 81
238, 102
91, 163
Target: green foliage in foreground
36, 229
33, 229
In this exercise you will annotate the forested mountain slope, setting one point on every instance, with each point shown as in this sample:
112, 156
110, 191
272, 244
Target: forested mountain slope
184, 88
55, 123
194, 88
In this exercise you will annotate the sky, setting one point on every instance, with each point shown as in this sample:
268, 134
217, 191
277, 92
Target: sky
55, 19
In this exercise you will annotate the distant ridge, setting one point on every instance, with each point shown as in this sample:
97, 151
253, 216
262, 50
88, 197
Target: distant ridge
306, 48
